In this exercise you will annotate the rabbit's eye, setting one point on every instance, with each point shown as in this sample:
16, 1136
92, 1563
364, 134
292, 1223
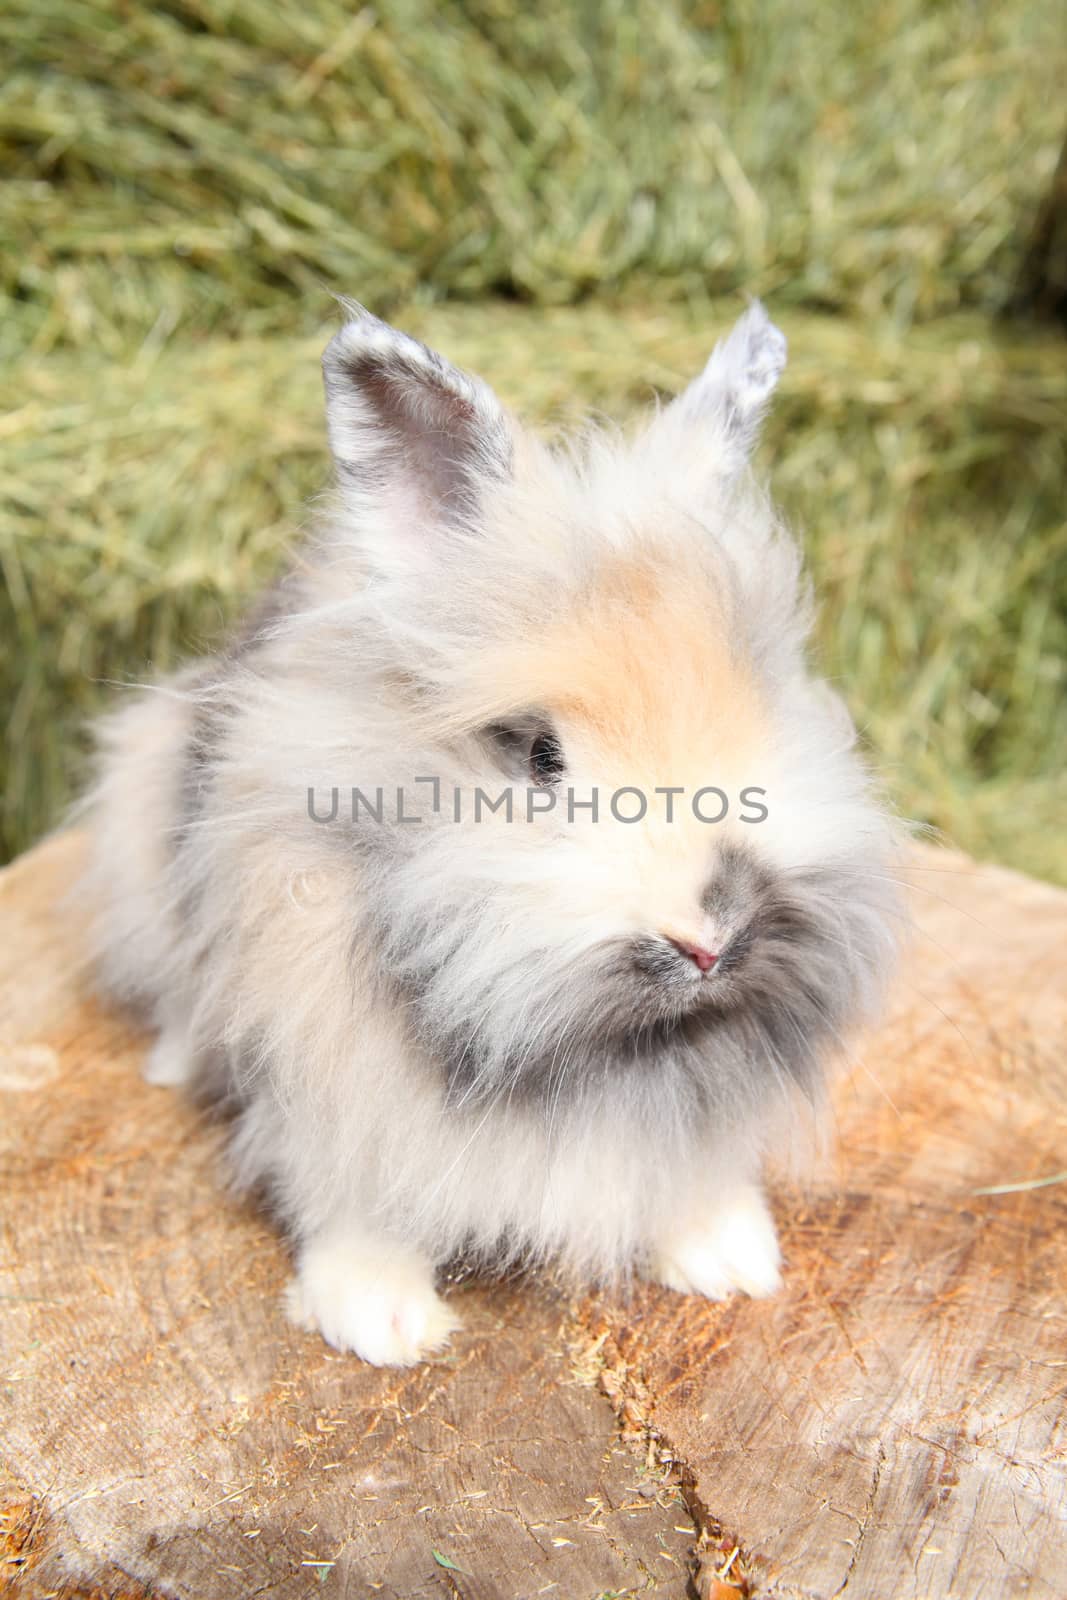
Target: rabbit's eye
546, 759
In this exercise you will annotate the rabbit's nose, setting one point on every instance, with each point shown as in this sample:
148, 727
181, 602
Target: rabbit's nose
704, 958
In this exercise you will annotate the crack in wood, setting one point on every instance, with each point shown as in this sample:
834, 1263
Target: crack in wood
896, 1411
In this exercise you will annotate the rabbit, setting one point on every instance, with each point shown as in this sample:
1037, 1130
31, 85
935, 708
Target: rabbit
510, 876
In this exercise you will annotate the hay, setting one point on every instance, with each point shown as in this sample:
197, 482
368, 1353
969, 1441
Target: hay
186, 184
218, 163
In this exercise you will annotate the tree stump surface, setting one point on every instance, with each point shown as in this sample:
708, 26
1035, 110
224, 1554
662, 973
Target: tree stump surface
892, 1424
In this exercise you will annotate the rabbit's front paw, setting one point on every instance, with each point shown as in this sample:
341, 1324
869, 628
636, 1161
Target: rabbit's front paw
736, 1248
369, 1298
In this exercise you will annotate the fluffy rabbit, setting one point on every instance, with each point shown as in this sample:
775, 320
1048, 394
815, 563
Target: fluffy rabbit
445, 1030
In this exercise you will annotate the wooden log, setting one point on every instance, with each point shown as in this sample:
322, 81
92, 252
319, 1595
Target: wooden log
892, 1424
166, 1432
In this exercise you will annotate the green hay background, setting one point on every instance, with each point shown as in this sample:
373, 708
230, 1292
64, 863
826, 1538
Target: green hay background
571, 198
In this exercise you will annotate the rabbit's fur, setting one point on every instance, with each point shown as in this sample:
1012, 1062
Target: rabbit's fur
496, 1038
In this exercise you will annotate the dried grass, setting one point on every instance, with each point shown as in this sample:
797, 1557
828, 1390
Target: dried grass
568, 197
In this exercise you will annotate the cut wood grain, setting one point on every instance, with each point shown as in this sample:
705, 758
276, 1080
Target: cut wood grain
895, 1423
892, 1425
166, 1432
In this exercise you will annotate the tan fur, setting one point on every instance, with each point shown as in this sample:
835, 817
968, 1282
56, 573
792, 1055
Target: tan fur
472, 1036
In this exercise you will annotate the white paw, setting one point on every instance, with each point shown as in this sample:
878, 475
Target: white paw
370, 1299
737, 1248
170, 1061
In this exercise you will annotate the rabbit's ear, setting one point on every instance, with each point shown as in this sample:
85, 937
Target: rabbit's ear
408, 430
730, 396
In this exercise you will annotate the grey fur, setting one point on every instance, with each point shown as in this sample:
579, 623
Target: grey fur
438, 1037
